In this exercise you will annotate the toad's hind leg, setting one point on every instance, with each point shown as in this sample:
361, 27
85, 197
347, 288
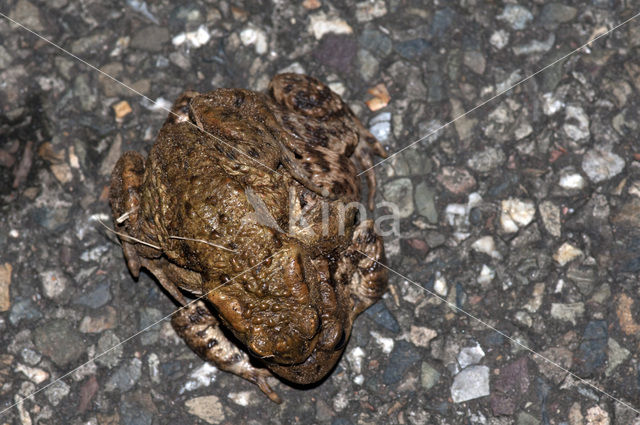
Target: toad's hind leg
201, 331
362, 267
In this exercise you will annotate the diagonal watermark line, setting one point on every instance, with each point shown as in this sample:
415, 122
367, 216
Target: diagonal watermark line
515, 341
91, 360
500, 94
95, 68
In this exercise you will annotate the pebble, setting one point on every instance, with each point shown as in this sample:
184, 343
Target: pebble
571, 180
125, 377
23, 309
152, 38
202, 376
99, 321
376, 42
600, 165
470, 355
429, 376
570, 312
97, 296
381, 315
475, 61
551, 218
440, 286
121, 109
486, 160
516, 213
5, 284
486, 245
535, 46
537, 297
133, 413
616, 355
425, 200
370, 9
470, 383
509, 386
28, 15
380, 126
414, 49
399, 192
355, 358
421, 336
56, 392
60, 342
566, 253
53, 283
242, 398
592, 353
463, 124
403, 357
5, 58
336, 51
456, 180
321, 24
109, 343
516, 16
385, 343
499, 39
551, 104
576, 123
252, 36
207, 408
553, 14
597, 416
35, 375
486, 276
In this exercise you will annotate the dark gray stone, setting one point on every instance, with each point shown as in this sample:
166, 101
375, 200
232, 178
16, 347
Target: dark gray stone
383, 317
403, 356
59, 341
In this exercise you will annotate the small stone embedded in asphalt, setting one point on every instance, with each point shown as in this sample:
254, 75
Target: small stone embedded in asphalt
152, 38
551, 219
616, 355
569, 312
399, 192
571, 180
125, 377
510, 387
576, 124
566, 253
60, 342
376, 42
425, 198
486, 160
499, 39
429, 376
456, 180
470, 383
413, 49
516, 213
592, 353
380, 126
403, 357
132, 413
470, 355
553, 14
56, 392
516, 16
96, 297
109, 344
600, 165
148, 317
207, 408
381, 315
337, 51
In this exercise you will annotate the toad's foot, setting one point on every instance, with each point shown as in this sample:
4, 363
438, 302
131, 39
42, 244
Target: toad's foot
201, 331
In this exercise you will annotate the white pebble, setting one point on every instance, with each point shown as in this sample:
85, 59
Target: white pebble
486, 245
516, 213
385, 343
241, 398
252, 36
551, 104
35, 375
566, 253
440, 286
571, 181
322, 24
487, 274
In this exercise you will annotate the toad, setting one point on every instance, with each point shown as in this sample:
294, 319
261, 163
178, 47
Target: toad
243, 203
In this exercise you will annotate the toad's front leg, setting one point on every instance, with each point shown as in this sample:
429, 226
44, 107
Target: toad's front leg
202, 332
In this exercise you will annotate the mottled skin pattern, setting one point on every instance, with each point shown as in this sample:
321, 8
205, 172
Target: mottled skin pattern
287, 292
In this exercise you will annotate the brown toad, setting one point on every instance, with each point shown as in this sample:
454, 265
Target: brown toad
207, 210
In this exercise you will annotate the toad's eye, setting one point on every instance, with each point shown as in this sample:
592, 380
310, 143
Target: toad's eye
341, 342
